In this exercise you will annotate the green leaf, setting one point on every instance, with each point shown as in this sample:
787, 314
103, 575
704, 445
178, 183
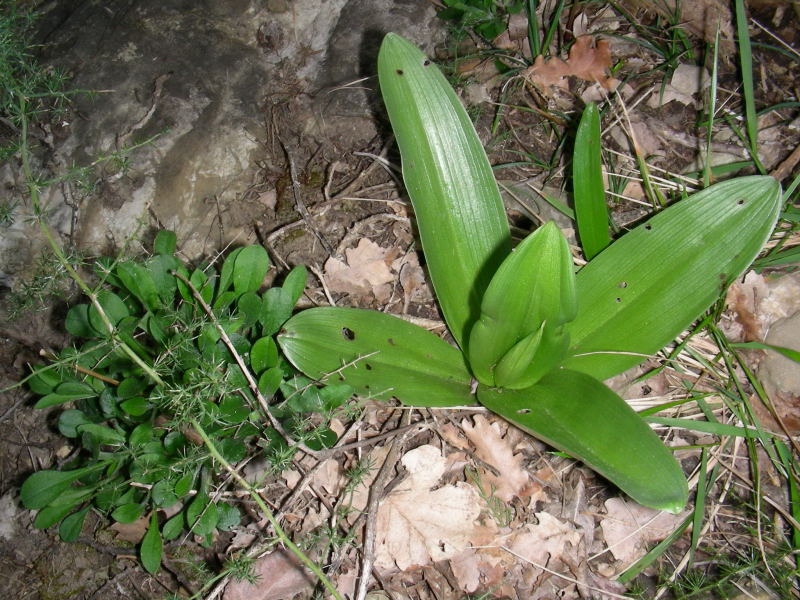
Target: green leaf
787, 352
103, 434
151, 548
160, 268
70, 420
41, 488
269, 381
295, 283
165, 243
163, 493
140, 435
250, 269
591, 212
62, 506
577, 414
173, 527
77, 322
114, 308
66, 392
249, 307
535, 284
263, 355
226, 274
128, 513
648, 286
139, 282
43, 380
381, 356
229, 517
276, 309
460, 215
70, 527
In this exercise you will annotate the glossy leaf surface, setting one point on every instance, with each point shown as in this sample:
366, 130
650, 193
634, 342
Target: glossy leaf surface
591, 212
460, 215
535, 283
381, 356
648, 286
579, 415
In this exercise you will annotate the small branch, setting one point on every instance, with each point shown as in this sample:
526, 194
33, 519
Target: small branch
267, 512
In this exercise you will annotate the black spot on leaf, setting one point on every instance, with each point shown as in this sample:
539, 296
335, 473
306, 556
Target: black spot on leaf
399, 71
348, 334
523, 411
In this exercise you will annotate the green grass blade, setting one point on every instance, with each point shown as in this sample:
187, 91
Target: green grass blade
699, 504
460, 215
533, 28
746, 61
591, 211
704, 426
787, 352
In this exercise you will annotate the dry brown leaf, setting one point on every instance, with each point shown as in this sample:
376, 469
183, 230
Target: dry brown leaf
417, 525
546, 541
585, 61
132, 532
280, 576
492, 448
628, 528
365, 272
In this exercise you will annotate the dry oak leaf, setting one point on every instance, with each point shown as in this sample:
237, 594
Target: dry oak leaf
495, 449
629, 527
365, 272
280, 576
585, 61
417, 525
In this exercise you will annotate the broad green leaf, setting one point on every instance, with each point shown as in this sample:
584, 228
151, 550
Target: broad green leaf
139, 282
591, 212
103, 434
135, 407
151, 548
577, 414
532, 358
226, 274
44, 380
250, 269
229, 517
460, 215
62, 506
263, 355
70, 528
295, 283
140, 435
50, 515
77, 322
41, 488
648, 286
381, 356
269, 381
249, 306
165, 242
69, 420
128, 513
276, 309
160, 268
114, 308
66, 392
173, 527
535, 283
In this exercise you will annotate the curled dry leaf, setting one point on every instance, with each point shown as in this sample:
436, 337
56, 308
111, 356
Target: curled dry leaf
629, 527
550, 543
280, 576
417, 525
585, 61
494, 449
365, 272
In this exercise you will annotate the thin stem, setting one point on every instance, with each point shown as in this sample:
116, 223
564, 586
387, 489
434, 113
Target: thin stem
267, 512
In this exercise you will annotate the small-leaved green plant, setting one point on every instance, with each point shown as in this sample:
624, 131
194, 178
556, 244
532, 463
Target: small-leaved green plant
535, 339
152, 377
